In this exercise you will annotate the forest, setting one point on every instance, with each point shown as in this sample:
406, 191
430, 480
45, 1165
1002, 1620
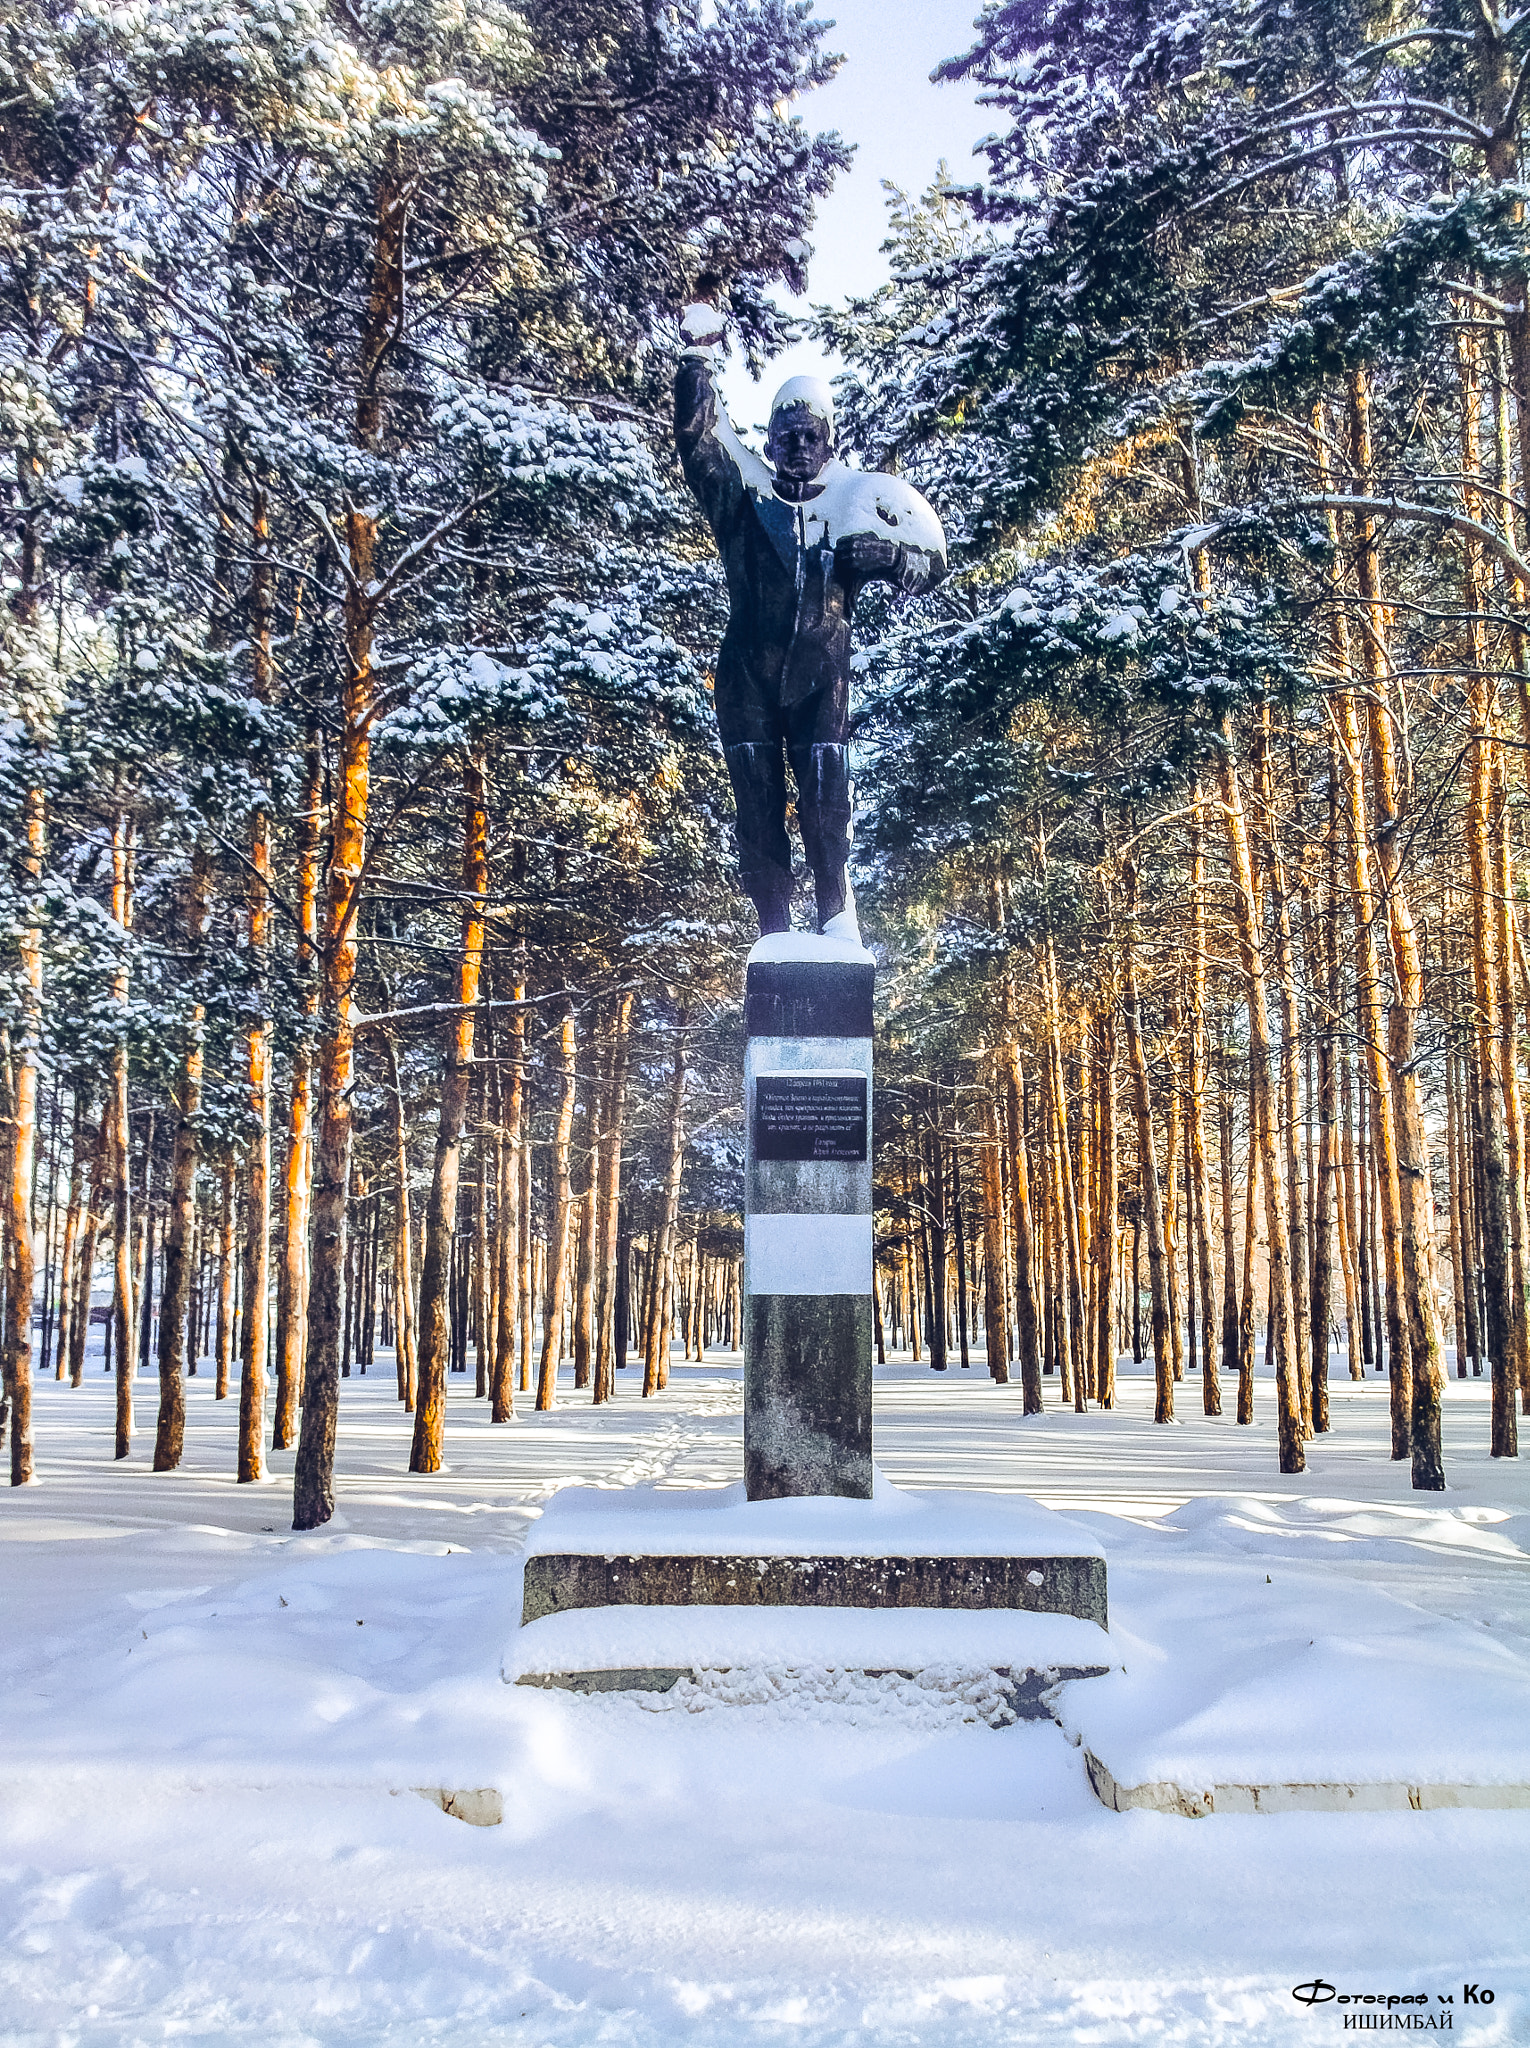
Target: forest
372, 952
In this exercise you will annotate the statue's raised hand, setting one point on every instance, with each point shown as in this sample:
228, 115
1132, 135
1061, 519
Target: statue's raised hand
865, 554
702, 326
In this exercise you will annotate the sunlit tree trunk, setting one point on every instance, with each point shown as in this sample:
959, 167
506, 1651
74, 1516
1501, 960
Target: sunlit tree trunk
1027, 1321
1262, 1107
1169, 1200
405, 1362
656, 1318
313, 1486
507, 1228
584, 1206
1290, 1041
1070, 1248
69, 1253
1107, 1225
223, 1357
1147, 1188
1200, 1177
608, 1203
121, 1163
170, 1432
1415, 1395
995, 1318
292, 1290
557, 1246
21, 1265
1245, 1364
456, 1081
1229, 1238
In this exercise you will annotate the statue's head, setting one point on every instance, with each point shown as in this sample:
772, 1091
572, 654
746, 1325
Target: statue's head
801, 437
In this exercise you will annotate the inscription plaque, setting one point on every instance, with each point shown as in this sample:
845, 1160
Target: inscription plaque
810, 1116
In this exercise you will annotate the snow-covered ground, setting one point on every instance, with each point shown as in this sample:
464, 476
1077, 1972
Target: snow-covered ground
208, 1729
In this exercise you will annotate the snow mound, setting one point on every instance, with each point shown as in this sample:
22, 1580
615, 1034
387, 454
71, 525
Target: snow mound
940, 1696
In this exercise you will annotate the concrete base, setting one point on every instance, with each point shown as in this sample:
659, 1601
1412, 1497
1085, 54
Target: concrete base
560, 1582
807, 1395
1197, 1803
808, 1232
637, 1589
481, 1806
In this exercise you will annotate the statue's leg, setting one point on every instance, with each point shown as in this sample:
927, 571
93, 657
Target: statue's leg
822, 771
758, 773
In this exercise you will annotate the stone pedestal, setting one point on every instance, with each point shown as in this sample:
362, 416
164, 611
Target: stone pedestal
807, 1219
635, 1589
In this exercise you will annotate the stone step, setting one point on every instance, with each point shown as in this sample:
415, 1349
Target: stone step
1390, 1796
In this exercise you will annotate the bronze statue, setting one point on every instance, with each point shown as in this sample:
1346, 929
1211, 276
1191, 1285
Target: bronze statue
800, 536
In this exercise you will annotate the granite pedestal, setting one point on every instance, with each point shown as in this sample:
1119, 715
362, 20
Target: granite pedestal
816, 1562
807, 1219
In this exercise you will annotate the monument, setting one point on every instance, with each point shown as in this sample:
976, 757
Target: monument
639, 1592
800, 535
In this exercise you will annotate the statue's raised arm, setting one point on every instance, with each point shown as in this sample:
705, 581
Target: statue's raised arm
800, 535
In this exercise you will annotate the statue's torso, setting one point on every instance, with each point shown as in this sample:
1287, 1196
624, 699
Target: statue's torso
790, 602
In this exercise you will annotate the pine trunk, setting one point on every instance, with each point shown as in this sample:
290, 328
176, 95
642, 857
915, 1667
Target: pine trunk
1262, 1110
456, 1081
609, 1198
121, 1163
20, 1266
656, 1321
1027, 1321
557, 1247
292, 1291
1149, 1198
170, 1432
1107, 1221
995, 1319
1199, 1172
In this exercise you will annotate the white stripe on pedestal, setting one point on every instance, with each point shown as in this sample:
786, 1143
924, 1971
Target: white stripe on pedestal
807, 1254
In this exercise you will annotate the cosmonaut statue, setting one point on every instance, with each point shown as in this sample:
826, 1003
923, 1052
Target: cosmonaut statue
800, 535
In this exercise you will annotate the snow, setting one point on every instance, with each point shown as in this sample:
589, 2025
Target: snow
779, 948
207, 1830
799, 1639
721, 1521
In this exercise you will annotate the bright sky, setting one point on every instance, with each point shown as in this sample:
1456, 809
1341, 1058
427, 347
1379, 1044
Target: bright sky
903, 125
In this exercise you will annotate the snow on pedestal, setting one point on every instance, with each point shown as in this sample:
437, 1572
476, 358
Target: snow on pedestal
638, 1587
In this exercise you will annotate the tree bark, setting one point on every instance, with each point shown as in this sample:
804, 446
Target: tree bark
69, 1252
1066, 1194
313, 1479
656, 1321
1107, 1221
170, 1432
1027, 1322
122, 1189
507, 1226
557, 1248
456, 1081
1195, 1109
995, 1320
1147, 1191
608, 1201
1266, 1136
292, 1291
21, 1264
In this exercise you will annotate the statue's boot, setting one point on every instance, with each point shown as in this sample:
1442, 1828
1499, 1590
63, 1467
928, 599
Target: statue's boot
758, 775
823, 806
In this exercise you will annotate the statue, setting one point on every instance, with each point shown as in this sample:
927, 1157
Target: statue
799, 536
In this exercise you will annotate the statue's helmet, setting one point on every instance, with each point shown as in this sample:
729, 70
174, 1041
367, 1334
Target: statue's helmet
812, 393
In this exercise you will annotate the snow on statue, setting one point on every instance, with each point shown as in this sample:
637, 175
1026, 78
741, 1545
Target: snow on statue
800, 536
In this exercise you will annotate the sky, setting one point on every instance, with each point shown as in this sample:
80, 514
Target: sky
882, 101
